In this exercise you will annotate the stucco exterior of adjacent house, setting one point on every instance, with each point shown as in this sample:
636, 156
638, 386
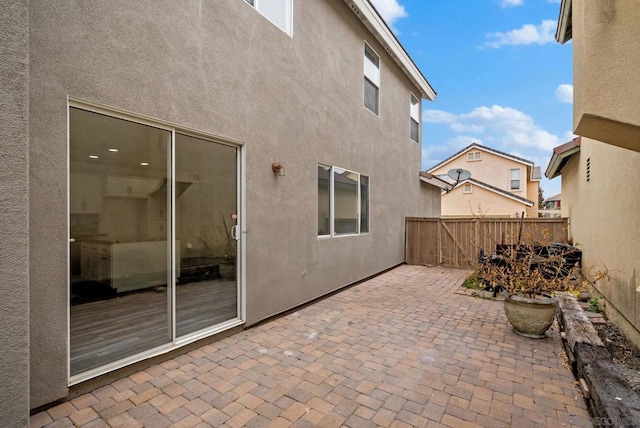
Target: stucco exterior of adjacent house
599, 169
501, 185
139, 144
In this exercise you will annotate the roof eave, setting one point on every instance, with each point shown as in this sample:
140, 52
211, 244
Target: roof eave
502, 193
485, 148
561, 155
564, 28
370, 17
435, 181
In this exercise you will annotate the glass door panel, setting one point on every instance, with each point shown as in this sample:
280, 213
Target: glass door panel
206, 206
119, 226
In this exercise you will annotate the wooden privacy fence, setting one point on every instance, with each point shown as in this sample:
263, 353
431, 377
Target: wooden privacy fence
457, 242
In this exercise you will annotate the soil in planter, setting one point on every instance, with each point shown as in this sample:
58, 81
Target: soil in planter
623, 352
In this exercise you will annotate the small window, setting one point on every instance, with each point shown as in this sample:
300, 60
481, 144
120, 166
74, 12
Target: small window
415, 119
514, 176
343, 202
468, 188
279, 12
371, 80
588, 170
474, 156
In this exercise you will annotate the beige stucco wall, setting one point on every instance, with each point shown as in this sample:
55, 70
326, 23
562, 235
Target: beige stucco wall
480, 202
223, 69
606, 40
14, 217
605, 224
493, 170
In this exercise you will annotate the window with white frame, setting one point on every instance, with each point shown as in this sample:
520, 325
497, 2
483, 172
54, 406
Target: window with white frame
468, 188
371, 79
343, 202
514, 179
474, 156
279, 12
415, 119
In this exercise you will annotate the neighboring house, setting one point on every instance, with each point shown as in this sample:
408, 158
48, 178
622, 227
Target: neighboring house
501, 185
600, 169
551, 206
189, 168
553, 202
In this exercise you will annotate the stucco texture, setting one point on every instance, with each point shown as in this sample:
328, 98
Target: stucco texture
605, 225
223, 69
14, 221
606, 40
480, 202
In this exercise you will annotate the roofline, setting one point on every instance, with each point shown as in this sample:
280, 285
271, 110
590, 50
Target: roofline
557, 197
501, 192
435, 181
370, 17
561, 156
489, 149
564, 30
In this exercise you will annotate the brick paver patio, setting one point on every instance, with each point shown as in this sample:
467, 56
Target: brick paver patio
404, 349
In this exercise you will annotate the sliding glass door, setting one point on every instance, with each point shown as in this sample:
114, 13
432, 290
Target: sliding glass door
152, 216
206, 212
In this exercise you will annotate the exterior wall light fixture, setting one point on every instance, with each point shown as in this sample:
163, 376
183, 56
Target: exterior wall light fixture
278, 169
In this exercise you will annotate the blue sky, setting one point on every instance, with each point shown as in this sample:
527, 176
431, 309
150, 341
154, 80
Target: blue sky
502, 79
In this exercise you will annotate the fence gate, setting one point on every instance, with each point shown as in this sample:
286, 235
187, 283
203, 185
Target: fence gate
458, 242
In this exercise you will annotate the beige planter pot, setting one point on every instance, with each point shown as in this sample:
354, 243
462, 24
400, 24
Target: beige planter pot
530, 317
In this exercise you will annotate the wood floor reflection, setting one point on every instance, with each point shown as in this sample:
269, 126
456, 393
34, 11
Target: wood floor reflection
108, 330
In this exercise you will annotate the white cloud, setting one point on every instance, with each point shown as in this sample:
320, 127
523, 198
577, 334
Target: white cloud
528, 34
390, 10
564, 93
510, 3
501, 127
437, 116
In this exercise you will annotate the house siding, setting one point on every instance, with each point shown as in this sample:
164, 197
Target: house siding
605, 224
14, 221
606, 37
223, 69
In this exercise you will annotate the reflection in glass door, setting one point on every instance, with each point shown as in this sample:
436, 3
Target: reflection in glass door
151, 257
206, 213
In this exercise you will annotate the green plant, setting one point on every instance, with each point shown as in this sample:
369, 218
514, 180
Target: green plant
595, 304
473, 282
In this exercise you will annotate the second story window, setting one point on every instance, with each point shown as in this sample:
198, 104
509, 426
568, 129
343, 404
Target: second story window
514, 176
474, 156
371, 80
280, 12
415, 119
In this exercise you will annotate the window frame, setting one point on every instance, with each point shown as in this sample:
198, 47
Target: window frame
370, 79
474, 156
360, 220
467, 188
511, 179
415, 109
255, 4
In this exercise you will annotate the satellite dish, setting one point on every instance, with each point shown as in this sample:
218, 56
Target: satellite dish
458, 174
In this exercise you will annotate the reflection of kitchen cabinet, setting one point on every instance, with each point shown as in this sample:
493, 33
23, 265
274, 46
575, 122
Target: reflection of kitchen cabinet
95, 259
137, 265
85, 194
130, 187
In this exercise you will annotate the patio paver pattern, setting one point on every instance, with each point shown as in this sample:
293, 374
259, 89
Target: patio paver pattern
404, 349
